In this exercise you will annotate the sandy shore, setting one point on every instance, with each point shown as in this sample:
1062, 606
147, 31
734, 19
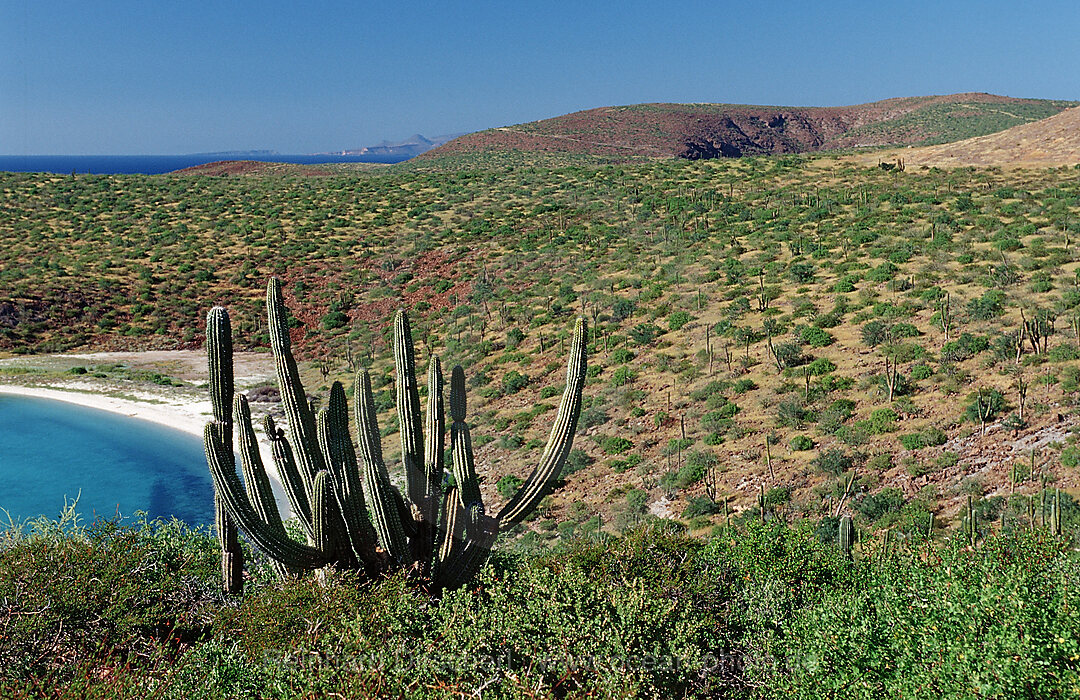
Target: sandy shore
186, 415
185, 411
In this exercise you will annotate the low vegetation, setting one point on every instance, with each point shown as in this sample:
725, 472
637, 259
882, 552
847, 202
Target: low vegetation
753, 611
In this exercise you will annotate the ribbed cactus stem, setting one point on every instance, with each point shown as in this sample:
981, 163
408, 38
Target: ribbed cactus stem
334, 440
434, 439
461, 445
219, 356
452, 529
232, 557
847, 535
561, 440
256, 482
436, 428
972, 527
377, 487
289, 474
1055, 519
410, 418
329, 537
298, 412
228, 486
467, 559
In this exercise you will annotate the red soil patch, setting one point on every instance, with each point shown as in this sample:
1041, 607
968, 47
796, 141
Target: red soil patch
252, 167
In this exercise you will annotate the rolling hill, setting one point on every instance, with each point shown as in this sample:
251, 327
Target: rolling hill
700, 131
1049, 142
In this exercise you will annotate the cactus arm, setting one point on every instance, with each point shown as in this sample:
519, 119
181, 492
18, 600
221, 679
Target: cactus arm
293, 397
435, 438
560, 441
847, 535
290, 475
330, 535
408, 410
333, 428
220, 366
461, 444
228, 486
452, 529
232, 557
465, 560
436, 435
256, 482
377, 487
219, 355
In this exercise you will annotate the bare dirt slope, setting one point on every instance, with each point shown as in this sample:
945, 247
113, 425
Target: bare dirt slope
1049, 142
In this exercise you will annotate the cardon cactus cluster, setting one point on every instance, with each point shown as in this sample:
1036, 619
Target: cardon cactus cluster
351, 514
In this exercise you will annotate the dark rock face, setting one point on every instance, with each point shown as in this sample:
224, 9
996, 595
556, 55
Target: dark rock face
700, 150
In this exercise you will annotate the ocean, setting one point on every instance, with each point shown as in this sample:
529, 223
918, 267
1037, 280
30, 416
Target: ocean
153, 165
52, 450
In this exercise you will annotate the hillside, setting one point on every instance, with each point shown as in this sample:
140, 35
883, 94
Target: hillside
743, 312
695, 131
1050, 142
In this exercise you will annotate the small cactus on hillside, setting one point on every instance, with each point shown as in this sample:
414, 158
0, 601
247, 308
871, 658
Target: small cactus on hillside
847, 535
351, 514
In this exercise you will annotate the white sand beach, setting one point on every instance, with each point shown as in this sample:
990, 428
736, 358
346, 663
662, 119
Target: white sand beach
184, 414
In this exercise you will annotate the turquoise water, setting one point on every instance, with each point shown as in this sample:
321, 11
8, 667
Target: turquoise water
50, 450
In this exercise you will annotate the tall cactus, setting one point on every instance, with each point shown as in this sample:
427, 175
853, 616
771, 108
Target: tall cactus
220, 361
846, 535
352, 515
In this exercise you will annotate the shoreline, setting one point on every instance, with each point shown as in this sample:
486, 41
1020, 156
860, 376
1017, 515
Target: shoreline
186, 414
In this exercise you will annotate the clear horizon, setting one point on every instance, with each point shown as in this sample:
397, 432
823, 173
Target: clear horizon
126, 78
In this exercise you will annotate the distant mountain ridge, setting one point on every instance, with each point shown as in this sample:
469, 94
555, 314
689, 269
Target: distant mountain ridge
409, 147
704, 130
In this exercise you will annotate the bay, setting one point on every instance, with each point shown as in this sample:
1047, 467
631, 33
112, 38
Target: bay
115, 464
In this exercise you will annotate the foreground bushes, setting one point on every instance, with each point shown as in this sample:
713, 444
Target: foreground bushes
765, 612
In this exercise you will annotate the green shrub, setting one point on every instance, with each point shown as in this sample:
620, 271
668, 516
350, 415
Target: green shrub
816, 337
820, 366
833, 462
920, 372
613, 445
508, 485
335, 319
577, 460
677, 319
514, 381
514, 336
874, 506
622, 376
964, 348
801, 443
989, 306
744, 385
698, 506
643, 334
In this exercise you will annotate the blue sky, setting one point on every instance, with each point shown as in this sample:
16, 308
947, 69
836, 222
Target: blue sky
118, 77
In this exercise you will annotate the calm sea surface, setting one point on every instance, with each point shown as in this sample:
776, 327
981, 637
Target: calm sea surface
153, 165
51, 449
